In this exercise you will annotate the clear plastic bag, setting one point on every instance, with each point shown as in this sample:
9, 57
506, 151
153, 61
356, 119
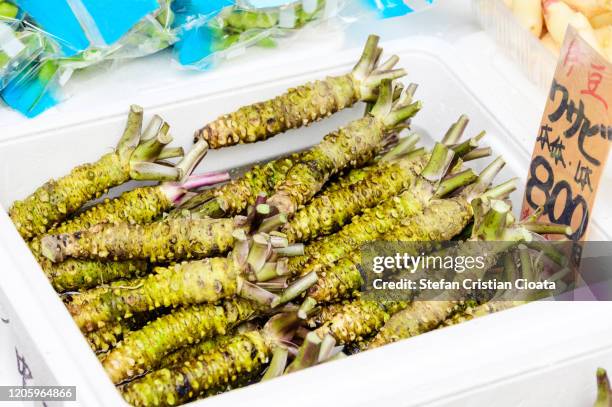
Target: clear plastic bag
212, 31
20, 43
44, 47
36, 88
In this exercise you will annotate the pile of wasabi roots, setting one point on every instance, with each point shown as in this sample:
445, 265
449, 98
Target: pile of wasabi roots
199, 282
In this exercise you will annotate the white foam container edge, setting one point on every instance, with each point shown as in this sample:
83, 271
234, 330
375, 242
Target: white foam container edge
502, 360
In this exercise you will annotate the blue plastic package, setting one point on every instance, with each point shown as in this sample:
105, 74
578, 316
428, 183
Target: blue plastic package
35, 89
212, 31
80, 24
396, 8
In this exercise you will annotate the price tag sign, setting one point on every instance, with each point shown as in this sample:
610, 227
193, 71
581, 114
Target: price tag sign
574, 139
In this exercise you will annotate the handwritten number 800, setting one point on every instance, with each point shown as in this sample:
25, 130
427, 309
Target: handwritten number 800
552, 193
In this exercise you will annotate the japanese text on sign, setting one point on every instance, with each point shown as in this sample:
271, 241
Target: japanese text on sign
574, 138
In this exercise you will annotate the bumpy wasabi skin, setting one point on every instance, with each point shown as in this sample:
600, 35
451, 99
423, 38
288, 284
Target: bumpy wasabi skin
338, 281
329, 212
166, 240
190, 352
299, 106
370, 225
133, 158
144, 350
424, 316
380, 220
349, 178
348, 147
442, 220
355, 321
418, 318
244, 354
57, 199
107, 337
140, 205
481, 310
75, 274
208, 280
296, 108
234, 197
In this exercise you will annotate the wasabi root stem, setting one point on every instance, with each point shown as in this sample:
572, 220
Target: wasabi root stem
348, 147
56, 200
303, 105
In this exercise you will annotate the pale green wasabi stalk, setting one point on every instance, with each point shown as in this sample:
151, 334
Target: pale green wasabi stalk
302, 105
144, 350
133, 159
223, 365
351, 146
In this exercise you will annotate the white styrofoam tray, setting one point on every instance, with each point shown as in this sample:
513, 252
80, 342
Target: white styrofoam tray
478, 359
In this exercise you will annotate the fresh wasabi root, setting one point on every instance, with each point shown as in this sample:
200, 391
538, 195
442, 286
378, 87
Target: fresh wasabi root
244, 354
349, 147
234, 197
302, 105
107, 337
338, 281
166, 240
223, 365
442, 220
144, 204
354, 321
604, 392
208, 280
329, 212
57, 199
190, 352
490, 225
144, 350
141, 205
75, 274
420, 317
394, 172
403, 149
376, 221
488, 308
252, 271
